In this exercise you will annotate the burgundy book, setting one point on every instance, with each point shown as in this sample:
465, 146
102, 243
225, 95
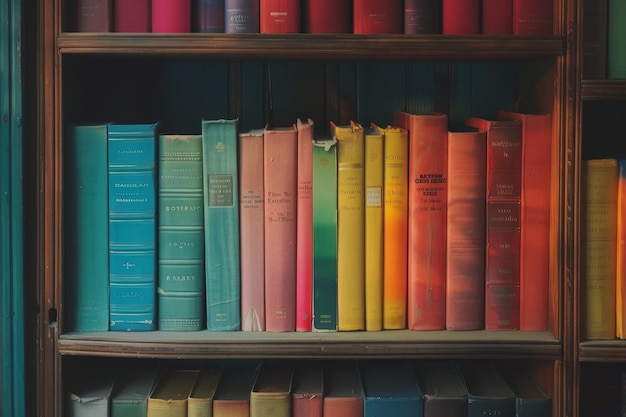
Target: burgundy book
133, 16
93, 15
280, 16
208, 16
171, 16
460, 17
422, 16
376, 17
241, 16
327, 16
532, 17
497, 17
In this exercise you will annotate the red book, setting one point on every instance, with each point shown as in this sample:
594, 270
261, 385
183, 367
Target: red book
133, 16
171, 16
460, 17
535, 218
280, 157
93, 15
307, 394
280, 16
328, 16
343, 390
465, 260
504, 169
497, 17
422, 16
532, 17
375, 16
428, 195
304, 227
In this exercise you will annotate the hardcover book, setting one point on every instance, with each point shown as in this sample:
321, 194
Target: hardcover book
422, 17
443, 388
132, 206
132, 16
221, 218
271, 393
181, 279
200, 401
171, 16
460, 17
252, 226
487, 390
350, 226
343, 390
86, 228
280, 158
497, 17
427, 205
328, 16
595, 21
616, 53
93, 15
242, 16
132, 391
232, 398
169, 398
531, 400
378, 17
620, 267
390, 389
532, 17
86, 395
208, 16
280, 16
307, 397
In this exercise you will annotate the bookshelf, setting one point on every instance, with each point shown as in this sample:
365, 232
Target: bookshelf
87, 76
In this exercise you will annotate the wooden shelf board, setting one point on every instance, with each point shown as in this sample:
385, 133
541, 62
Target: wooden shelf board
602, 351
603, 90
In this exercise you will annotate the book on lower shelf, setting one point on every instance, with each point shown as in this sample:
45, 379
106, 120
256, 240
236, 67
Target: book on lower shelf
171, 392
200, 401
531, 400
343, 390
86, 396
271, 393
487, 390
232, 398
132, 390
390, 389
307, 396
443, 388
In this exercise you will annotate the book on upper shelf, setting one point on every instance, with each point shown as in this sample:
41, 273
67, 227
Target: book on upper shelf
279, 16
502, 263
390, 389
350, 226
620, 266
497, 17
208, 16
427, 216
532, 17
465, 242
171, 392
200, 401
343, 390
595, 21
599, 183
132, 195
132, 16
443, 388
86, 226
280, 157
378, 17
460, 17
86, 396
232, 398
221, 224
93, 15
324, 235
171, 16
327, 16
304, 226
181, 280
535, 199
616, 37
422, 17
487, 390
307, 395
271, 393
531, 400
132, 390
251, 229
242, 16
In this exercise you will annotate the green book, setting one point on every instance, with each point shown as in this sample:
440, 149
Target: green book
221, 224
131, 392
616, 39
181, 233
86, 224
324, 235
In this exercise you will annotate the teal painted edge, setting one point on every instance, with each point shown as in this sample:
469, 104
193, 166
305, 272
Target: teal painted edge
11, 221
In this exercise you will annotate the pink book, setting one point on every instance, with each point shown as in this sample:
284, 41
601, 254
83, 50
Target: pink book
133, 16
171, 16
304, 227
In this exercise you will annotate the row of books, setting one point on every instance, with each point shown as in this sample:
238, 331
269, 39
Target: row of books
414, 226
520, 17
604, 35
349, 388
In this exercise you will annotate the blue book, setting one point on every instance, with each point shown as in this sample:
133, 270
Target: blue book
390, 389
86, 232
221, 224
132, 226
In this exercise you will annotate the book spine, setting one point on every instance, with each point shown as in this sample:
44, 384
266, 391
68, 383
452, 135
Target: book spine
280, 156
616, 53
251, 220
133, 16
497, 17
594, 39
86, 229
324, 236
378, 17
221, 224
93, 15
532, 17
171, 16
422, 17
242, 16
132, 226
460, 17
181, 279
350, 227
620, 271
328, 16
279, 16
465, 260
304, 218
208, 16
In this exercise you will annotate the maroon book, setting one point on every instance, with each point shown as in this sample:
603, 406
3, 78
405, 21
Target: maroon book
133, 16
241, 16
171, 16
280, 16
460, 17
532, 17
208, 16
422, 16
378, 17
93, 16
497, 17
328, 16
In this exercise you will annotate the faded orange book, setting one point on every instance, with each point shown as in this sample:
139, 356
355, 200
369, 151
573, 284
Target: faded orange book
343, 390
427, 207
232, 398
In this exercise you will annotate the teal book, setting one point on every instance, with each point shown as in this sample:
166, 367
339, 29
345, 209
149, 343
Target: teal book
487, 391
221, 224
86, 234
616, 39
180, 292
131, 392
531, 399
390, 389
132, 226
443, 388
324, 235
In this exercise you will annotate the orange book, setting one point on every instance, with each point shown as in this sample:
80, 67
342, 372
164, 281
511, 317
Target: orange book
343, 390
535, 218
427, 206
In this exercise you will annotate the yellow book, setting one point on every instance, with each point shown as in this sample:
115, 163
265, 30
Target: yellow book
599, 247
200, 401
350, 226
395, 240
373, 230
271, 393
620, 281
169, 398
